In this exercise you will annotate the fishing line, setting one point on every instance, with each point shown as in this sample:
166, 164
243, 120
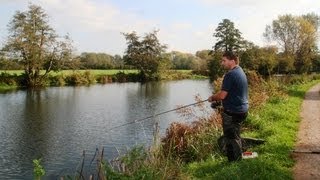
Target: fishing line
164, 112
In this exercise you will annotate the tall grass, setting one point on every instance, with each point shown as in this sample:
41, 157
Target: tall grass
195, 141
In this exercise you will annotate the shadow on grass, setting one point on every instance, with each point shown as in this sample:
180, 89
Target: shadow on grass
301, 93
245, 169
296, 93
313, 95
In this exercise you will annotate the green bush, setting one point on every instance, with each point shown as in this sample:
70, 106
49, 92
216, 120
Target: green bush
9, 79
89, 77
57, 80
76, 78
104, 79
120, 77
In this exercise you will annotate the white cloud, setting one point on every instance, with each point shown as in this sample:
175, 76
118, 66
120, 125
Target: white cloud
84, 14
93, 26
181, 26
97, 25
251, 16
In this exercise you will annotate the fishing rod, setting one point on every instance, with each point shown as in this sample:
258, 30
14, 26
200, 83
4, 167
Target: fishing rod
164, 112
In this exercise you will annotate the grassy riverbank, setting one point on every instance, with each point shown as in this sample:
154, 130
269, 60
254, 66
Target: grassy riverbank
277, 122
13, 78
5, 87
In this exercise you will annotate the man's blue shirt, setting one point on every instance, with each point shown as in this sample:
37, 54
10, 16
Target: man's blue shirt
236, 84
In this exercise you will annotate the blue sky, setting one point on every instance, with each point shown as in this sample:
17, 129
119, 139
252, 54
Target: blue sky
185, 25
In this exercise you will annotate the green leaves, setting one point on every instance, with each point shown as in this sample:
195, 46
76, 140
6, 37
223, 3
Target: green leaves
146, 55
229, 38
297, 37
38, 170
36, 45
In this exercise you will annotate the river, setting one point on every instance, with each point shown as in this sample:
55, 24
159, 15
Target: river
57, 124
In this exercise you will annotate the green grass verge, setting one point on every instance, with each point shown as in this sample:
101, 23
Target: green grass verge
196, 76
5, 88
276, 122
12, 72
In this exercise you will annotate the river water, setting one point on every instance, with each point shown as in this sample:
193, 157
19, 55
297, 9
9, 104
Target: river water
57, 124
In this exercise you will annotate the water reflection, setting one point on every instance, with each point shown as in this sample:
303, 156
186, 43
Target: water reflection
146, 99
58, 123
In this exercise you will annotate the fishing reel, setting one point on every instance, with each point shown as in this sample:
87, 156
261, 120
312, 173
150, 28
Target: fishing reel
216, 104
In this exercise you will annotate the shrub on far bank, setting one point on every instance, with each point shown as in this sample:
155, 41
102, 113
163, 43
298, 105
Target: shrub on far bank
76, 79
58, 80
9, 79
175, 75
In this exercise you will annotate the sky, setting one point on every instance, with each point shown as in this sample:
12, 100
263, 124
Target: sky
184, 25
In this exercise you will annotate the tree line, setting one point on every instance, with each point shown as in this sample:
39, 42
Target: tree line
34, 46
292, 46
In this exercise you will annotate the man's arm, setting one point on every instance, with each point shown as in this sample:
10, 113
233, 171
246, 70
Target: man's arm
219, 96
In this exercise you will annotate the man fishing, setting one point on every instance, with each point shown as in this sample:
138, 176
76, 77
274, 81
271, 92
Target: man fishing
234, 97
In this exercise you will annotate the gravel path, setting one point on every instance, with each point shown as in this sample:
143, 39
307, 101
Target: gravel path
308, 143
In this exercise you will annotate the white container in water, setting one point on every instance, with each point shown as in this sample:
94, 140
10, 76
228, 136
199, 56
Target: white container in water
248, 155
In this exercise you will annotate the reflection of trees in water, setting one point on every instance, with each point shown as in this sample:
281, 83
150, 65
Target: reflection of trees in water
35, 112
146, 99
30, 135
45, 129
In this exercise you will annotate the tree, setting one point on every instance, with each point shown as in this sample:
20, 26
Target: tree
307, 45
229, 38
201, 65
181, 60
296, 36
248, 58
214, 65
248, 55
266, 59
9, 64
118, 61
97, 61
146, 55
316, 63
313, 18
35, 43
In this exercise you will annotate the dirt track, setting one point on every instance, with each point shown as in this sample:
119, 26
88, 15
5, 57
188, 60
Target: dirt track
308, 143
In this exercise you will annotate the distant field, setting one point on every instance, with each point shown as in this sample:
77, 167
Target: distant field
94, 71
